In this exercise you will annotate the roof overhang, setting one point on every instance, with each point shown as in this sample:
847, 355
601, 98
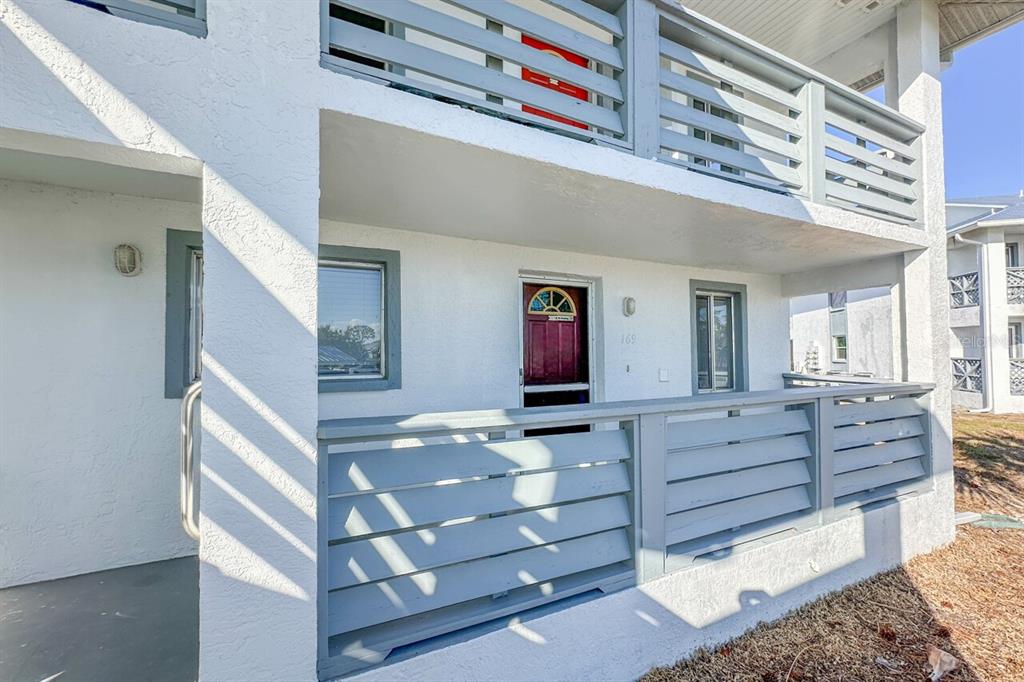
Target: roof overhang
810, 31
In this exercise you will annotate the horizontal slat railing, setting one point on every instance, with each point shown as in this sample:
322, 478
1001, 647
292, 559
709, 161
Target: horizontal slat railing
558, 65
184, 15
721, 119
880, 447
646, 76
874, 169
437, 522
800, 380
442, 531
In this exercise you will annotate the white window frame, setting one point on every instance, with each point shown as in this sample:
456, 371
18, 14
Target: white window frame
835, 348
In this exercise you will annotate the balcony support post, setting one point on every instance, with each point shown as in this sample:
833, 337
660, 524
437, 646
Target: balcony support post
640, 79
650, 546
814, 141
924, 288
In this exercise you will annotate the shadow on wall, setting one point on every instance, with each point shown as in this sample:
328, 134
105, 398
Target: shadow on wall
260, 206
259, 462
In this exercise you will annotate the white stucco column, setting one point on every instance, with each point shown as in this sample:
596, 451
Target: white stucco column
924, 309
994, 318
257, 581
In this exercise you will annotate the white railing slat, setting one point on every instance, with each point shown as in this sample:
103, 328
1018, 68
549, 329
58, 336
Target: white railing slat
387, 48
871, 178
406, 552
877, 477
877, 455
860, 435
730, 101
867, 199
544, 29
697, 523
701, 492
871, 135
362, 606
457, 31
730, 157
688, 57
704, 432
366, 470
877, 410
869, 157
687, 115
592, 15
721, 458
359, 515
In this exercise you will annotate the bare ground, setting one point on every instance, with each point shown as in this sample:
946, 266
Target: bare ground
967, 598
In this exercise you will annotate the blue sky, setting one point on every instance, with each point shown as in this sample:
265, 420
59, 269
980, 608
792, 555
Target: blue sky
983, 114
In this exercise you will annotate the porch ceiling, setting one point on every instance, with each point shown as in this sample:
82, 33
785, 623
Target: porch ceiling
810, 30
33, 157
384, 175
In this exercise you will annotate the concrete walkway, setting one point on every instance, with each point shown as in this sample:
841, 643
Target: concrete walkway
134, 623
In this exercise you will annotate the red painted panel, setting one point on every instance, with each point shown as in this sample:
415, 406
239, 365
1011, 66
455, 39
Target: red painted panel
554, 348
554, 84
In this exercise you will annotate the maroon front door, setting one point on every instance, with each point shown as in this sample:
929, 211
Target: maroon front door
555, 345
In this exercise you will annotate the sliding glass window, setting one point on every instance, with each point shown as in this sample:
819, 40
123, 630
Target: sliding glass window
716, 341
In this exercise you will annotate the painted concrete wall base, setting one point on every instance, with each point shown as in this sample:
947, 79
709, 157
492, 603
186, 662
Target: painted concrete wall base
622, 635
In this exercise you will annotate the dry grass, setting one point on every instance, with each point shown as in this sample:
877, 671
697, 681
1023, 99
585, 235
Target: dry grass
988, 452
967, 599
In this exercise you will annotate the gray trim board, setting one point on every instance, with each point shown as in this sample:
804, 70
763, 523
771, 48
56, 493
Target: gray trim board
391, 262
180, 245
740, 292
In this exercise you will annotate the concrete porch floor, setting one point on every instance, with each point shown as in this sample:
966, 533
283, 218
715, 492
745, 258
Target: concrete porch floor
134, 623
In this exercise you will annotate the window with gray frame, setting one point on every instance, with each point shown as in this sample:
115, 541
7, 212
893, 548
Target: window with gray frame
358, 330
359, 319
718, 337
183, 313
837, 328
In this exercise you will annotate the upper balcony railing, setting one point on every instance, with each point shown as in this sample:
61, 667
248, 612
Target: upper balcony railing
647, 77
185, 15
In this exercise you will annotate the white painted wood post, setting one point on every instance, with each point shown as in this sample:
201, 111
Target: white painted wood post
650, 546
814, 141
641, 81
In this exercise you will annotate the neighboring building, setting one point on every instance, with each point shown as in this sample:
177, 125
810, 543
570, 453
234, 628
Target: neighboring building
843, 332
541, 253
986, 289
986, 300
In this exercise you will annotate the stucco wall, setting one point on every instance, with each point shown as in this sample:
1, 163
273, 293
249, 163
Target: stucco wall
94, 430
460, 324
88, 444
962, 260
868, 327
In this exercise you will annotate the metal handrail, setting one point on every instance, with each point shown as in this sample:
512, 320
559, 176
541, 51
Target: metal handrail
189, 520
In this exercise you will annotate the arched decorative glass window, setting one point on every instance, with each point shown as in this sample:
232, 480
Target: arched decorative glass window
552, 301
